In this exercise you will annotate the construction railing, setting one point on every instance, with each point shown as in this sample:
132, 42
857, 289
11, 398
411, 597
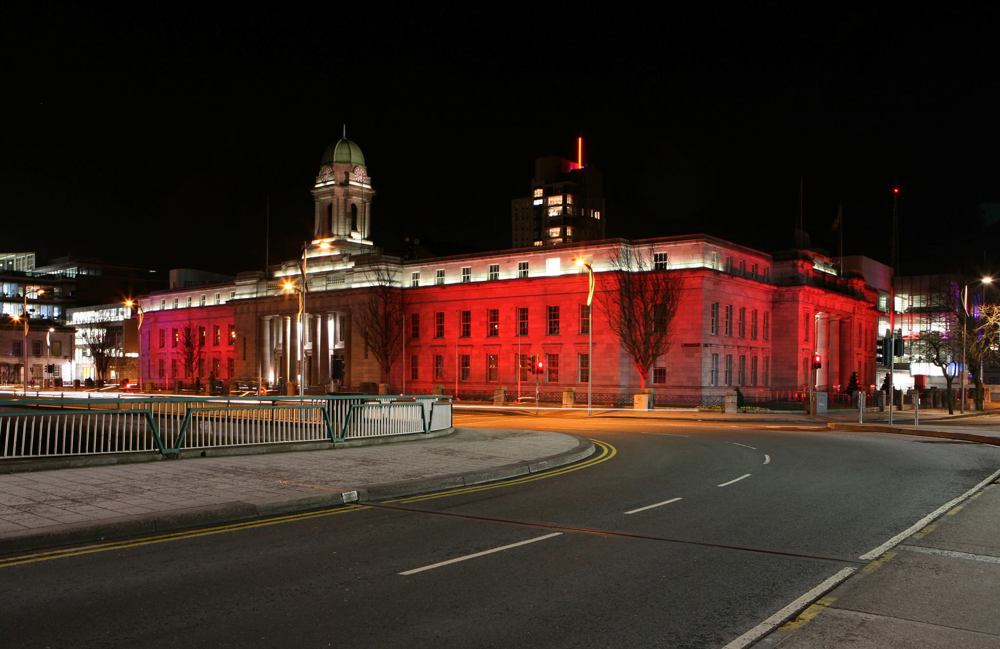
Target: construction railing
44, 427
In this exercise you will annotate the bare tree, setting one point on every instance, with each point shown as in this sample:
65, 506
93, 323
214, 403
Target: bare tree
381, 318
639, 307
192, 347
982, 340
940, 349
105, 349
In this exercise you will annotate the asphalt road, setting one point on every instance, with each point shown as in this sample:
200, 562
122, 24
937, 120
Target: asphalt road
684, 535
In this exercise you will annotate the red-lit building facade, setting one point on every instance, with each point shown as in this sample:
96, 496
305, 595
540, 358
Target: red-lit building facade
471, 324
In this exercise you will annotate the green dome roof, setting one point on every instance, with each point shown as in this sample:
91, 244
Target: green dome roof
343, 151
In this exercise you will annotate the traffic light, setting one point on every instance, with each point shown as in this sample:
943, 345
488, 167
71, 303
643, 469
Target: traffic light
817, 361
898, 346
539, 366
886, 352
880, 352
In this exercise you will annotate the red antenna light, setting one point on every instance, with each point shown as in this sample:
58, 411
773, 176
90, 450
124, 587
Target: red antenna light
895, 190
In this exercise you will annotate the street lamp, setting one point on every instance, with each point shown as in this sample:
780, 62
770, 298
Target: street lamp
986, 280
129, 303
288, 286
590, 333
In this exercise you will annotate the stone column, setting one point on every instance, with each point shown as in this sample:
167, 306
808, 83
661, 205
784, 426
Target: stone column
286, 336
324, 349
266, 353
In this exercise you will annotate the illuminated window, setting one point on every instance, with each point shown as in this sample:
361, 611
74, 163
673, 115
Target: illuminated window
522, 269
492, 323
555, 210
555, 232
415, 279
203, 299
414, 325
539, 243
464, 364
569, 199
553, 321
537, 201
584, 319
216, 335
597, 214
202, 336
569, 230
538, 193
439, 277
522, 321
174, 338
492, 367
465, 324
466, 274
232, 335
494, 272
583, 367
554, 200
218, 298
552, 369
659, 261
439, 324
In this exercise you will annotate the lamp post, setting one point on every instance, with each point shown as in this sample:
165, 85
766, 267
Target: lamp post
590, 334
965, 326
24, 345
129, 303
288, 287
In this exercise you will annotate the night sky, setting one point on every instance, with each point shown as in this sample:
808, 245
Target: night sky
157, 137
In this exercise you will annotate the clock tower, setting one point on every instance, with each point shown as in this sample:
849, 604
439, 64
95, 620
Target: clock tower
342, 197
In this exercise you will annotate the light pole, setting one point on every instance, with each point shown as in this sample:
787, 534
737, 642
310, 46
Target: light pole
129, 303
965, 326
48, 352
288, 287
590, 334
24, 345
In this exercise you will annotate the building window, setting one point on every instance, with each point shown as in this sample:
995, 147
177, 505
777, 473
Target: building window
729, 369
36, 347
743, 322
189, 301
174, 338
522, 269
584, 319
438, 367
163, 338
552, 369
175, 303
743, 267
713, 326
201, 367
218, 298
492, 367
522, 321
492, 323
173, 368
16, 348
466, 324
753, 371
660, 261
523, 367
216, 335
555, 232
729, 264
230, 367
466, 274
56, 348
806, 326
163, 304
538, 192
202, 336
552, 328
415, 278
713, 378
464, 365
767, 367
203, 299
583, 367
494, 272
232, 296
439, 324
414, 368
554, 200
767, 326
660, 318
439, 277
161, 368
414, 325
743, 370
729, 319
216, 366
753, 270
753, 325
232, 335
659, 375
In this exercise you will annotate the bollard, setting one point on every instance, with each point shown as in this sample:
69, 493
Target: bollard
861, 407
916, 408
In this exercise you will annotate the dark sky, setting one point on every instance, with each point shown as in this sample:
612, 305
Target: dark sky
154, 137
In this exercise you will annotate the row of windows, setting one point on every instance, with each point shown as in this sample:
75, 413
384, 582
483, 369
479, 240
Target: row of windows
490, 371
179, 338
552, 322
190, 300
17, 348
754, 379
713, 326
177, 368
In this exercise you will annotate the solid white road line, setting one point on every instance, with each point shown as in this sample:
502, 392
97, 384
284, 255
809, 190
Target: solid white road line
480, 554
896, 540
742, 477
767, 458
642, 509
950, 553
772, 622
752, 448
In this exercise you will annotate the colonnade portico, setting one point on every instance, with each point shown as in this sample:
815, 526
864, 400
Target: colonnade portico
322, 350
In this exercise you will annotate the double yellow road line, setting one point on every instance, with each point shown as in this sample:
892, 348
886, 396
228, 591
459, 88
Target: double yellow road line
604, 453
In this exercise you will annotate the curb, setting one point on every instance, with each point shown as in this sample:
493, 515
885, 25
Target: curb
235, 512
915, 432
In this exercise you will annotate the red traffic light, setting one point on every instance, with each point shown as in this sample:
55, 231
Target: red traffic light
539, 366
817, 361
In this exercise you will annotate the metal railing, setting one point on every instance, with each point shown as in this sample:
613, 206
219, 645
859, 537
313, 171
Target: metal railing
43, 427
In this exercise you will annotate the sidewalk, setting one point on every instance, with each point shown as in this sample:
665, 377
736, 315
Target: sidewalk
58, 507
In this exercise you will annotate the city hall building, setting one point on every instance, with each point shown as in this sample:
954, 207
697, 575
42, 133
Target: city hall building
469, 324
